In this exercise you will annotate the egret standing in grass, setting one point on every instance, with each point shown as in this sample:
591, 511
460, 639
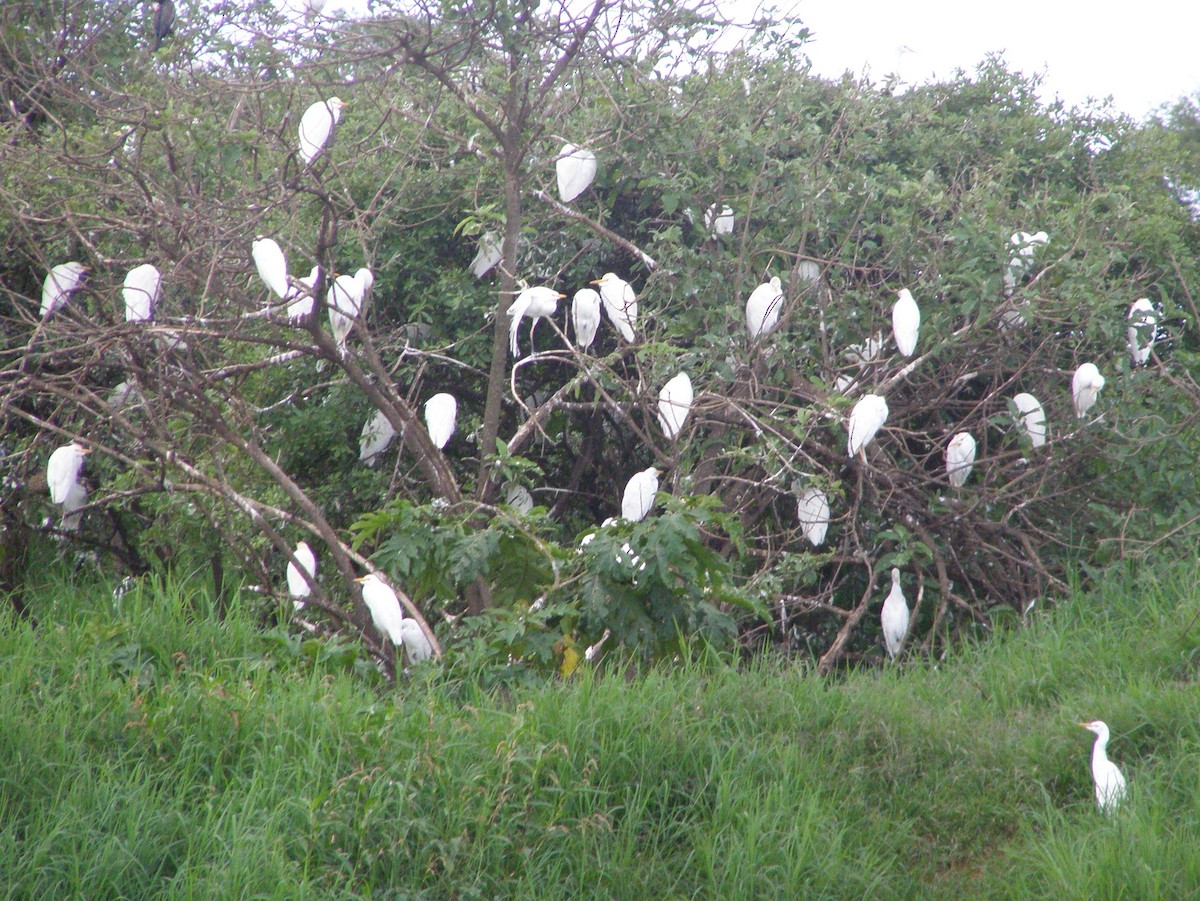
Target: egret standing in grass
1085, 388
271, 264
866, 419
1031, 418
960, 458
317, 125
674, 404
441, 410
576, 169
639, 495
894, 617
585, 316
1142, 325
61, 282
620, 303
142, 284
906, 322
536, 303
304, 559
763, 308
62, 470
812, 510
1110, 784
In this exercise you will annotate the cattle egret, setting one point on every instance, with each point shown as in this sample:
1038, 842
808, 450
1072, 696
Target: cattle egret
906, 322
639, 495
305, 303
61, 282
415, 642
271, 264
576, 169
1021, 263
298, 588
440, 413
312, 8
384, 607
487, 255
585, 316
316, 125
867, 418
62, 470
894, 617
345, 298
377, 433
867, 351
763, 308
808, 271
1031, 418
1110, 784
535, 303
1142, 325
519, 498
812, 510
674, 404
164, 22
141, 289
1085, 388
620, 303
75, 499
960, 457
719, 224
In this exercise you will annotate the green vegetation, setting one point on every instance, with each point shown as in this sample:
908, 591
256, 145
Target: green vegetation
150, 749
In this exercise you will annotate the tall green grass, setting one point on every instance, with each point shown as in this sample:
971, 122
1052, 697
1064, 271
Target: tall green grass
150, 750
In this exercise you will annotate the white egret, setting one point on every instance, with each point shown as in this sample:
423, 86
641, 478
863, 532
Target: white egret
674, 404
576, 170
906, 322
808, 271
519, 498
1110, 784
312, 8
1032, 418
345, 298
298, 588
487, 255
384, 606
415, 642
61, 282
867, 351
304, 303
763, 308
1142, 325
867, 418
62, 470
1021, 263
639, 495
377, 433
620, 303
142, 285
585, 316
76, 497
1085, 388
536, 303
721, 223
960, 457
894, 617
316, 125
271, 264
812, 510
440, 413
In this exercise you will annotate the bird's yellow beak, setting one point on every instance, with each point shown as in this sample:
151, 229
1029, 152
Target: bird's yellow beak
562, 297
85, 450
361, 579
1085, 725
595, 281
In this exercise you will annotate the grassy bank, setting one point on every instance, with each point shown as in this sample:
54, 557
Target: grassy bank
148, 750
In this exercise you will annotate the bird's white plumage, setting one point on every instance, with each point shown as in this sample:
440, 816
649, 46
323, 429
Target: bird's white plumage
1110, 784
312, 8
1031, 418
377, 433
60, 283
894, 617
867, 418
415, 642
1085, 388
141, 288
384, 606
576, 170
271, 264
721, 223
536, 303
906, 322
960, 457
674, 404
1020, 264
867, 351
62, 470
763, 308
305, 303
620, 303
585, 316
76, 497
519, 498
487, 255
441, 410
812, 511
345, 298
1143, 322
297, 587
316, 125
638, 498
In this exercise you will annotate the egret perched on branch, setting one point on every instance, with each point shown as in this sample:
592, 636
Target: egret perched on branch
1021, 263
1142, 325
316, 125
304, 303
487, 255
61, 282
312, 8
384, 606
906, 322
271, 264
894, 617
639, 495
440, 413
812, 510
674, 404
867, 418
519, 498
75, 499
867, 351
763, 308
298, 588
721, 223
377, 433
415, 642
62, 470
576, 169
141, 289
585, 316
164, 22
346, 296
535, 302
1085, 388
1110, 784
960, 457
620, 303
1031, 417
